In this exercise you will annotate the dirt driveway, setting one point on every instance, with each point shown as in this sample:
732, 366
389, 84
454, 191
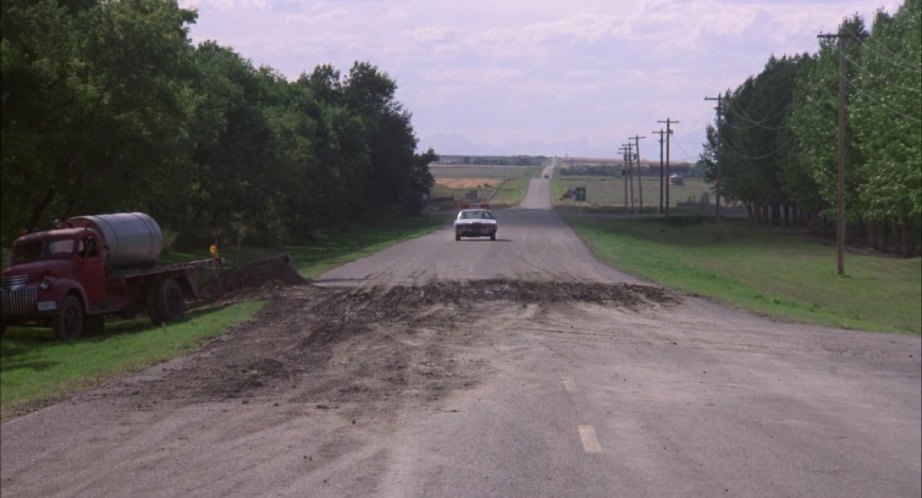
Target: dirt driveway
521, 367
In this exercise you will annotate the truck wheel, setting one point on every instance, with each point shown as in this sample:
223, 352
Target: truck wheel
69, 323
152, 303
171, 301
457, 237
492, 236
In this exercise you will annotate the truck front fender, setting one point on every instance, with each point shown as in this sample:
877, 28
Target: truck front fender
60, 288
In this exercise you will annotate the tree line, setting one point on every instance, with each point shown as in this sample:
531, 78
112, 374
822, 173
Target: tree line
108, 106
776, 138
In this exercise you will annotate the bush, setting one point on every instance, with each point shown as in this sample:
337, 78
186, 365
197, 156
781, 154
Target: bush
169, 240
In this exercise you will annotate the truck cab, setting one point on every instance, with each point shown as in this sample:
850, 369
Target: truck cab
52, 270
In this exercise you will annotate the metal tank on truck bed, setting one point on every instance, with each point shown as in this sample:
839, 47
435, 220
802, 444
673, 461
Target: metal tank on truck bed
72, 276
132, 239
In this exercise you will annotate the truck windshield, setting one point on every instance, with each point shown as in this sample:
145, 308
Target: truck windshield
38, 249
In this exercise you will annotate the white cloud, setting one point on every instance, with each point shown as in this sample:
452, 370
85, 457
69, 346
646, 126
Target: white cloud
228, 4
475, 75
429, 34
582, 71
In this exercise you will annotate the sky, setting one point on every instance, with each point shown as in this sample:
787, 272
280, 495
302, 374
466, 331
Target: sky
536, 77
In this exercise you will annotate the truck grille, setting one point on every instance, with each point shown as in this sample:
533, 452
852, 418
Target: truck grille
9, 283
16, 298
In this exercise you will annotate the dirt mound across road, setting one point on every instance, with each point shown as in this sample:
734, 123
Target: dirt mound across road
522, 292
277, 271
337, 345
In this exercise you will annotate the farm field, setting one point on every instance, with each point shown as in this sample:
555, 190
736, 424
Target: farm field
500, 185
604, 191
483, 171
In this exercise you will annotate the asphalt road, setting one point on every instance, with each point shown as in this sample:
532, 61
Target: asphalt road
702, 401
533, 243
609, 403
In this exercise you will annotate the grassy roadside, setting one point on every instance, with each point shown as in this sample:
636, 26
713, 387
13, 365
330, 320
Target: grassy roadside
36, 367
511, 192
332, 248
765, 271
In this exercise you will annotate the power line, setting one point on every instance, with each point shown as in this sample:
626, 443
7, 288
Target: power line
760, 123
720, 105
729, 147
891, 57
637, 140
880, 102
879, 78
661, 132
745, 128
841, 38
669, 124
776, 107
626, 155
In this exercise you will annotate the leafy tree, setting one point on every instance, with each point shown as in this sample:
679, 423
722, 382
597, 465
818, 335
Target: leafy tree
814, 122
369, 93
107, 107
886, 87
39, 63
750, 142
92, 98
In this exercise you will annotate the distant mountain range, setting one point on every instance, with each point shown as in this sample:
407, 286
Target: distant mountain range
458, 144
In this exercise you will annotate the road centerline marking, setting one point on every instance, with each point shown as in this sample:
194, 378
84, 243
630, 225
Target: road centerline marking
590, 442
568, 384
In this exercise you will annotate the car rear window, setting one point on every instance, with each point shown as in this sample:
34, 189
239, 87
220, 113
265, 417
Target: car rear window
467, 215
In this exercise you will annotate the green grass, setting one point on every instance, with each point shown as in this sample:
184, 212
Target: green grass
333, 247
767, 271
609, 191
511, 192
35, 367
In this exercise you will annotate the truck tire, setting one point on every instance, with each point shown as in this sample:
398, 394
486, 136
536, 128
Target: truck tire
68, 324
171, 302
152, 303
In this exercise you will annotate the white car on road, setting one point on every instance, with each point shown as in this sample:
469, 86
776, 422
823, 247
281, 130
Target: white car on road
475, 223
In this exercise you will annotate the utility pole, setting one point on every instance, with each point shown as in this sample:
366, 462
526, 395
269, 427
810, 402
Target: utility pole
623, 150
720, 103
661, 142
669, 124
630, 172
639, 169
841, 38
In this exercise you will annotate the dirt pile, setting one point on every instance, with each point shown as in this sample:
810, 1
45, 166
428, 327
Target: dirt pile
330, 346
521, 292
277, 271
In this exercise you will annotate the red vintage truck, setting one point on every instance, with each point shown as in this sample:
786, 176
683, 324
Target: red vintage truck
81, 271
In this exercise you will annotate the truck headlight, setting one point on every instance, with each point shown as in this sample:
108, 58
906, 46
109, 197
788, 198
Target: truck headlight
45, 284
